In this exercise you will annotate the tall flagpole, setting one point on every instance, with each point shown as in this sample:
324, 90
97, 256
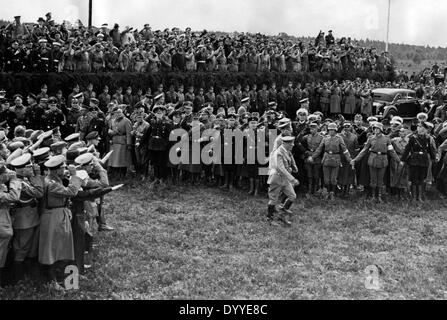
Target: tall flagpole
388, 25
90, 7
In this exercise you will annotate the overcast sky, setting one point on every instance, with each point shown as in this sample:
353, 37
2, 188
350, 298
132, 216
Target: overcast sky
412, 21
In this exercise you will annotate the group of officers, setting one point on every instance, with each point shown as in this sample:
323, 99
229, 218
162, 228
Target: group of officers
50, 187
50, 184
311, 154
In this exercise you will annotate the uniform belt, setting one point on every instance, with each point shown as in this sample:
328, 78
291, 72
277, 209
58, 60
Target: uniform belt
56, 207
379, 153
45, 58
330, 152
32, 204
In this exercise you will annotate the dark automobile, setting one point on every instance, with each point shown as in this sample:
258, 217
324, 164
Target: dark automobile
389, 102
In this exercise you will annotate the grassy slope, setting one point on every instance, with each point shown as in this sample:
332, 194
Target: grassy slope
202, 243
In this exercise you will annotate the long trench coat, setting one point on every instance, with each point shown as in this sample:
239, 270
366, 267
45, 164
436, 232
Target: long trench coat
55, 233
121, 139
6, 198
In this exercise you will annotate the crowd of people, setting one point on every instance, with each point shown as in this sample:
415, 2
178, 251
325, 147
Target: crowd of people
50, 189
326, 152
50, 47
319, 139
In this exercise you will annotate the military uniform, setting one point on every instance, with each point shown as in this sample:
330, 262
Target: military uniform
25, 217
157, 136
399, 173
98, 124
43, 60
280, 179
56, 61
53, 119
14, 59
33, 117
85, 208
418, 153
82, 124
378, 147
55, 233
333, 147
346, 176
120, 132
141, 151
263, 101
72, 119
10, 194
313, 169
253, 95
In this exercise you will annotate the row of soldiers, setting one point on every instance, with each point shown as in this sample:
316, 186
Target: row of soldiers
334, 155
48, 204
32, 58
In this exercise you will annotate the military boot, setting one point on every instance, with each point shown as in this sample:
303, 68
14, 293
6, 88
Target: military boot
286, 206
19, 271
379, 195
256, 182
252, 187
270, 212
420, 193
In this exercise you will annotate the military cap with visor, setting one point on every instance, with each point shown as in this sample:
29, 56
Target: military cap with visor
41, 154
55, 162
92, 135
84, 159
21, 161
72, 137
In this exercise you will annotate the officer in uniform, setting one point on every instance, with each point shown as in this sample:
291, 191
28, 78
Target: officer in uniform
333, 146
281, 180
10, 194
54, 116
57, 56
93, 139
58, 148
84, 206
34, 113
418, 152
157, 138
55, 233
40, 156
72, 116
347, 173
25, 214
308, 146
285, 128
83, 122
263, 99
43, 57
14, 58
378, 146
300, 129
19, 109
72, 139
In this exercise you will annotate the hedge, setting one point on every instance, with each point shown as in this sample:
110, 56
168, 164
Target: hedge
31, 82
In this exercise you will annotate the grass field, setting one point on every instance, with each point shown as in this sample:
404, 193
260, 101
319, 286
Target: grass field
204, 243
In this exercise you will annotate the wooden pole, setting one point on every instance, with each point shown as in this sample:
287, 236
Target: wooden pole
388, 25
90, 8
